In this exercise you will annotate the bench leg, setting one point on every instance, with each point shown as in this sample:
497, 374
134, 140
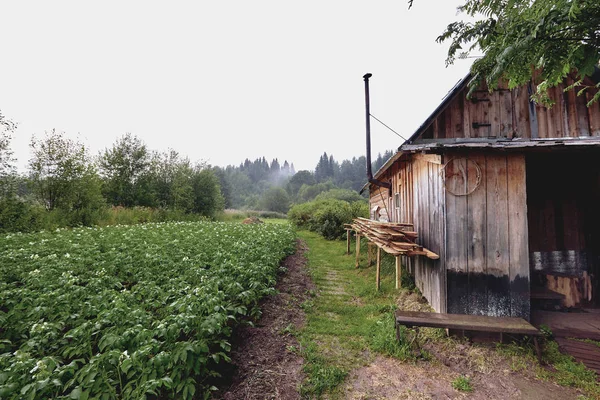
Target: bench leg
416, 339
397, 331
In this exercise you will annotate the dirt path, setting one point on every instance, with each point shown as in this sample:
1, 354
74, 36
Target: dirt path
265, 364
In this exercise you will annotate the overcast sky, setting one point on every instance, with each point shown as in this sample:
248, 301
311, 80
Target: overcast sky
222, 81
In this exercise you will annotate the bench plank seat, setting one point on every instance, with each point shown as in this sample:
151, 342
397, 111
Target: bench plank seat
481, 323
546, 294
462, 322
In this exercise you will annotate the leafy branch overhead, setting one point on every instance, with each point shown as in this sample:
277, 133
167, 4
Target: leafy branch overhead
521, 40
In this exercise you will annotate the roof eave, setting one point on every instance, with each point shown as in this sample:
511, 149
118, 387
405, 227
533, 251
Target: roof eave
383, 168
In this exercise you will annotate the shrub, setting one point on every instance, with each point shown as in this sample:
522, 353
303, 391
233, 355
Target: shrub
139, 215
275, 199
17, 215
348, 195
327, 217
309, 192
238, 215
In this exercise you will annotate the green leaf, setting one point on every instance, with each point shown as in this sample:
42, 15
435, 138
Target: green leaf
191, 389
75, 393
26, 388
107, 340
126, 365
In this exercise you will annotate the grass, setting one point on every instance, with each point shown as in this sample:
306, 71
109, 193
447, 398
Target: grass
350, 322
462, 384
139, 215
229, 215
568, 372
561, 368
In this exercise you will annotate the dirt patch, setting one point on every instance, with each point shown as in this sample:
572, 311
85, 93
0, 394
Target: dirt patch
387, 378
265, 363
252, 220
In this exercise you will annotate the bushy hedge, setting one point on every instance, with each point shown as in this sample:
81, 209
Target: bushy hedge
327, 217
17, 215
238, 215
20, 216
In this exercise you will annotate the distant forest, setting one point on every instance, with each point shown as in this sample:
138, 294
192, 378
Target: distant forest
65, 185
253, 184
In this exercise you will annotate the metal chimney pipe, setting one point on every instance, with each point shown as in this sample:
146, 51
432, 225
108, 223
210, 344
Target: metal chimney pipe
368, 126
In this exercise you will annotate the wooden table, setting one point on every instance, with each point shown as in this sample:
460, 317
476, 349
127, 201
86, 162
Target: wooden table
461, 322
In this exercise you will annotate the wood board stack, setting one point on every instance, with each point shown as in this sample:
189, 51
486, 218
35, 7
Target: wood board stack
393, 238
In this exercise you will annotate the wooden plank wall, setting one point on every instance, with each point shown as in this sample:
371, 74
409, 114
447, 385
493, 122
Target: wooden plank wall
379, 197
425, 200
510, 114
420, 187
486, 254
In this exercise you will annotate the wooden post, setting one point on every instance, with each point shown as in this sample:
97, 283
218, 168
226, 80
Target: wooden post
369, 254
378, 278
348, 241
398, 273
357, 249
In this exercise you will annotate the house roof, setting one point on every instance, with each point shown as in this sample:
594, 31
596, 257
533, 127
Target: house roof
382, 169
501, 143
439, 109
491, 143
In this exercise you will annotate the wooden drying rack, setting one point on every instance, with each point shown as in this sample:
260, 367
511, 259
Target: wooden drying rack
397, 239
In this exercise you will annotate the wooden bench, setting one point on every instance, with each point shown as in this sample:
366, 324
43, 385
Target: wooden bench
461, 322
545, 298
546, 294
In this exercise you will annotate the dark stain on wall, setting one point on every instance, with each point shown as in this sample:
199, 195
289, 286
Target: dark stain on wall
484, 294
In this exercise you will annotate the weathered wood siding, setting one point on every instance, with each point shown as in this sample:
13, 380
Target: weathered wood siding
428, 218
419, 186
417, 182
510, 114
486, 252
379, 197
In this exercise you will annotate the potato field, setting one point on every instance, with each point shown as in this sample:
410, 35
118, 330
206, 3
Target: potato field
129, 312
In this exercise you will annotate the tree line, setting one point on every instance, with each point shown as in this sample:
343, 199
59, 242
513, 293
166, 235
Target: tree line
263, 186
65, 185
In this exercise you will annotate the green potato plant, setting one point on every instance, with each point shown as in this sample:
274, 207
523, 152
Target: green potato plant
129, 312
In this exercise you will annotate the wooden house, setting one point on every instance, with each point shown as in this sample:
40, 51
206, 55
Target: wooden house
507, 192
